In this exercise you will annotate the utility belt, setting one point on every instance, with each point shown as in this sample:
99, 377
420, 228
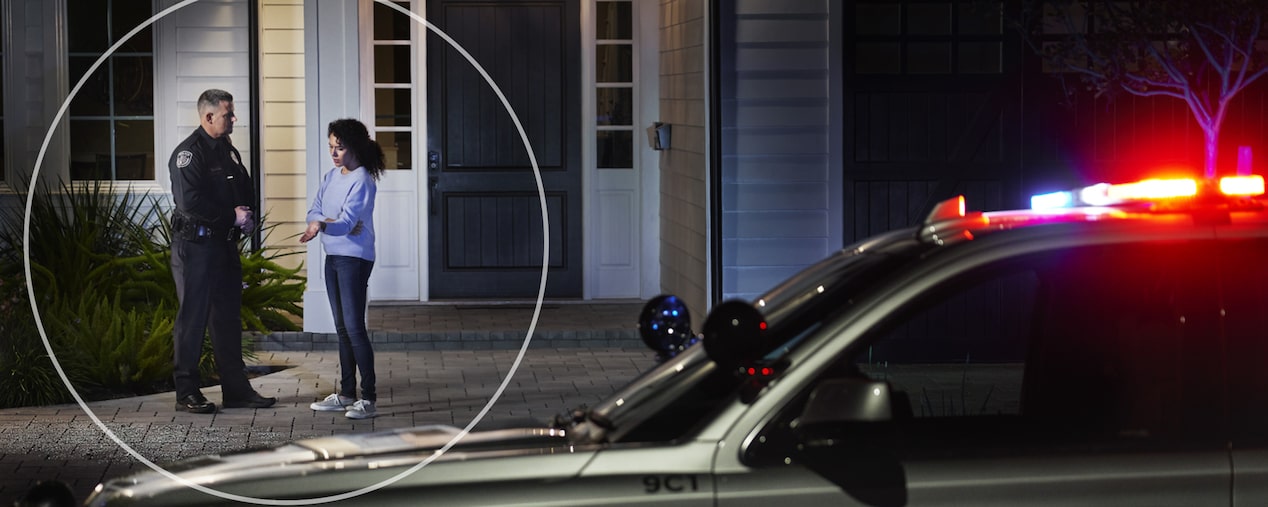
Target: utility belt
190, 229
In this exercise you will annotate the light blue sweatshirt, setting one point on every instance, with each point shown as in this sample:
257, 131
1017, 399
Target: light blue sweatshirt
347, 198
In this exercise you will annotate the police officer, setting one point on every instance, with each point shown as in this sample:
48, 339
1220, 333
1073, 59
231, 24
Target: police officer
213, 195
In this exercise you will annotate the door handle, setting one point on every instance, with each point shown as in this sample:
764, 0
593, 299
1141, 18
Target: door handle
433, 171
432, 183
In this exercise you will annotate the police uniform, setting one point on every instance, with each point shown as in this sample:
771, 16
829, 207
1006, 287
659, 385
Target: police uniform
208, 182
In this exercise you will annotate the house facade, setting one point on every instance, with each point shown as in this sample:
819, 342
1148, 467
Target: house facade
794, 127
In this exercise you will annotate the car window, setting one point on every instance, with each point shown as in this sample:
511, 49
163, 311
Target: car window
1244, 306
1102, 345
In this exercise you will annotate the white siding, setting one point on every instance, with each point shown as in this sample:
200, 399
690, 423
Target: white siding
781, 181
35, 88
202, 45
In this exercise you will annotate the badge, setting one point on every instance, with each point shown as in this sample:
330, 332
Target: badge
183, 158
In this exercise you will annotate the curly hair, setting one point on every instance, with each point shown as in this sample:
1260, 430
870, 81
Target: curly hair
356, 138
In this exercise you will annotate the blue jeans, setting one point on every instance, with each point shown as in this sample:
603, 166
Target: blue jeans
347, 282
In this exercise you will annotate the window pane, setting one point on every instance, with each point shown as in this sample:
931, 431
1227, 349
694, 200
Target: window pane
929, 58
391, 64
392, 107
615, 106
397, 149
877, 19
89, 143
1098, 332
981, 18
614, 63
980, 58
86, 33
929, 19
111, 115
974, 364
614, 21
93, 98
878, 58
133, 86
127, 15
615, 149
390, 24
134, 153
1245, 284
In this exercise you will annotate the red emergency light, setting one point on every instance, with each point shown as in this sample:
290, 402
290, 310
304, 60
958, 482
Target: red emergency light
1150, 190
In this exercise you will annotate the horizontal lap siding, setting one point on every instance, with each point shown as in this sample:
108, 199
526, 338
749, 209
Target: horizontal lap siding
202, 45
283, 118
775, 112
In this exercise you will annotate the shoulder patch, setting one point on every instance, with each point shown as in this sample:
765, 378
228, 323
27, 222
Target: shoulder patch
183, 158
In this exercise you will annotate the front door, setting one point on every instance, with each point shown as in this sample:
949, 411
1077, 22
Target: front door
486, 232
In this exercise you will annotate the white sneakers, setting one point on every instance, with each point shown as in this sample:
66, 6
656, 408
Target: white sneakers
351, 408
362, 409
333, 403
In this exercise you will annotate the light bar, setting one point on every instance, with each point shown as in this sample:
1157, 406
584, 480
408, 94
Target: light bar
1242, 185
1153, 189
1104, 194
1054, 200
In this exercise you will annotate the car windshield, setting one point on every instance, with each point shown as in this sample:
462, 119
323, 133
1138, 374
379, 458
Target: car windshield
667, 401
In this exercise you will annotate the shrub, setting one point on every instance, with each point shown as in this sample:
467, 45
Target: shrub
26, 372
100, 264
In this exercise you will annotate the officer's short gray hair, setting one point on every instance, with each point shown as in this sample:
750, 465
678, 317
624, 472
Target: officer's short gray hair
212, 98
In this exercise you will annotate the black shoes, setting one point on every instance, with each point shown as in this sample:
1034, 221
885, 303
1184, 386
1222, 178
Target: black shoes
255, 401
195, 404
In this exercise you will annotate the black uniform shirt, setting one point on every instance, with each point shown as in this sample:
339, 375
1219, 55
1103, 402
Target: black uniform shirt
209, 180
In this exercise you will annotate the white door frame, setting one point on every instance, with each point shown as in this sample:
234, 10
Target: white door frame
400, 268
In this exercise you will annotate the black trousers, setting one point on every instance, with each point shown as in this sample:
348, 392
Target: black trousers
208, 277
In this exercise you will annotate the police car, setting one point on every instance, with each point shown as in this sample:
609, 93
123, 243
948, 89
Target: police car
1108, 346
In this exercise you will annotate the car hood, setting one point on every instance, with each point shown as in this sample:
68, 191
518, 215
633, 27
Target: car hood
345, 463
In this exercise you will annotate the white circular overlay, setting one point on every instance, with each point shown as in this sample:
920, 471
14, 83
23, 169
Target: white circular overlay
541, 290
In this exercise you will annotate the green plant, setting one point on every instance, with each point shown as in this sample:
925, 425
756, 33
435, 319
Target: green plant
118, 348
26, 372
270, 291
100, 265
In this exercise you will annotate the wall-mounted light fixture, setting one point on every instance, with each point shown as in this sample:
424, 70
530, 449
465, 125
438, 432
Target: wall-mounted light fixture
658, 136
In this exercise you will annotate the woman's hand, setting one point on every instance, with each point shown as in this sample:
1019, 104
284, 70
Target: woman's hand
314, 227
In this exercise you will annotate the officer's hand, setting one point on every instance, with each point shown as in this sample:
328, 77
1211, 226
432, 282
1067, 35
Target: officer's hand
356, 229
242, 216
244, 220
314, 227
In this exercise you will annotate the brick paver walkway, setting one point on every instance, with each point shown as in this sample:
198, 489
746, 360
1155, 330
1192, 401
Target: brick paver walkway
416, 387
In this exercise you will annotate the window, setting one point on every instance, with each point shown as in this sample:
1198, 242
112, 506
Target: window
395, 78
928, 37
112, 116
614, 82
1244, 293
1093, 348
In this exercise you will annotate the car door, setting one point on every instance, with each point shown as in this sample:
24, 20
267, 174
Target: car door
1244, 300
1079, 376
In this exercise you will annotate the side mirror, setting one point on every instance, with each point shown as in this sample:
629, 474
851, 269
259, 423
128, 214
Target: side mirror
665, 326
845, 400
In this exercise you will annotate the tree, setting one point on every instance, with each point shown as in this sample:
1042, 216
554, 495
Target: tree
1203, 52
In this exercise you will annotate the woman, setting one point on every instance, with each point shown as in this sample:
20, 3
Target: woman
343, 213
